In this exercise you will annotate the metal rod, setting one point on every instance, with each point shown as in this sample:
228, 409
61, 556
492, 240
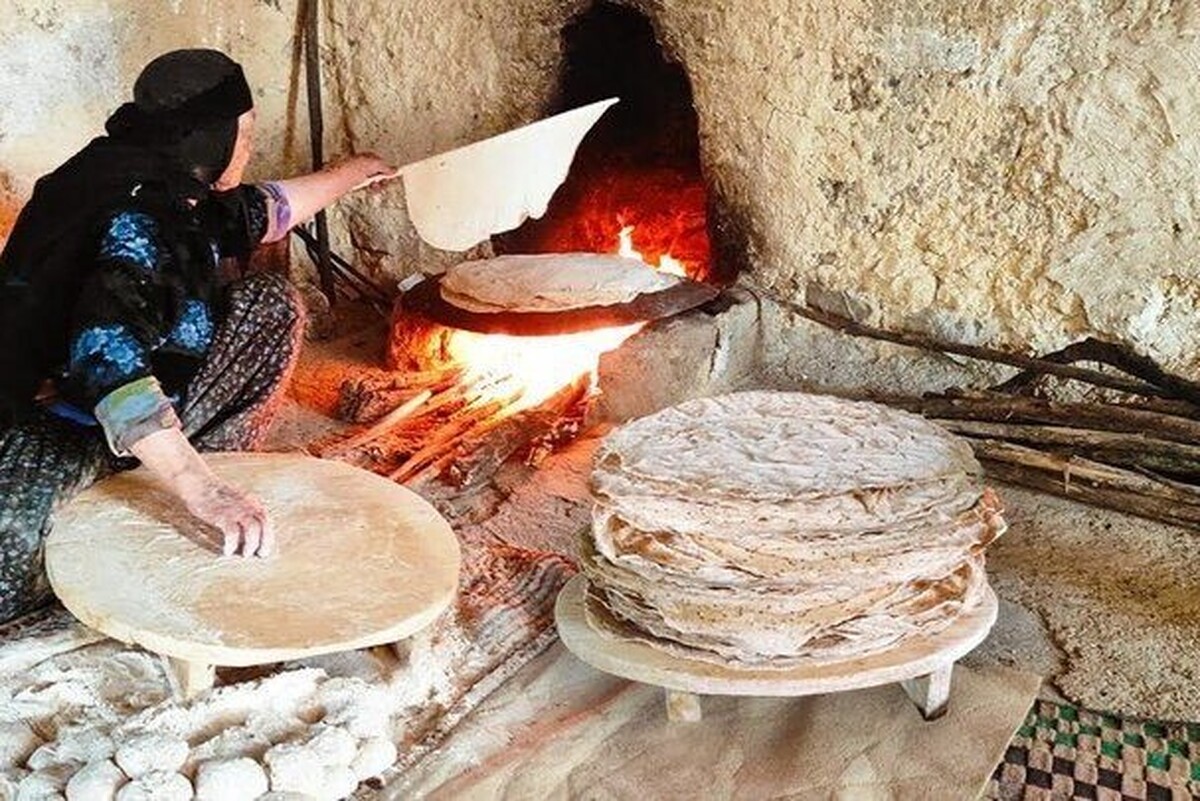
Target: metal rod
316, 127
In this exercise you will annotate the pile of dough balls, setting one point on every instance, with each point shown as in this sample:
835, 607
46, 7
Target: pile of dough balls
329, 764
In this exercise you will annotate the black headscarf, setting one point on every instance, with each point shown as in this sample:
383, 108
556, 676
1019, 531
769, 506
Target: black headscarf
168, 145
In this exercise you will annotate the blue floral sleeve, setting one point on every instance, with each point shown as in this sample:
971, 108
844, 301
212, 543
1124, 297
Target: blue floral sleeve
105, 356
123, 316
131, 236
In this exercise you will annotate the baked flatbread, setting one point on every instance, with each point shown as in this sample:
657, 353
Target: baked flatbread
550, 282
777, 529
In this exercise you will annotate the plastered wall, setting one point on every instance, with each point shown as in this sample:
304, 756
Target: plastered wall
1020, 174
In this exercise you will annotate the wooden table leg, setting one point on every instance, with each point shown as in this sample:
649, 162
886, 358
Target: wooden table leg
930, 693
682, 707
193, 678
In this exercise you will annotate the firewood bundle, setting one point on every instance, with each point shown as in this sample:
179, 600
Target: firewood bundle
1136, 448
451, 425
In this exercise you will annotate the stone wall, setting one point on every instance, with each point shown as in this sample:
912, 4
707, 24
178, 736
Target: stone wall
1019, 173
65, 65
1014, 173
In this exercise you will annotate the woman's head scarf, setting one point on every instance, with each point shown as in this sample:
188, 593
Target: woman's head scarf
169, 144
185, 108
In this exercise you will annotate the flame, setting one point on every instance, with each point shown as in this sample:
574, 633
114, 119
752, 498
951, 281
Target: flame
666, 264
625, 245
531, 369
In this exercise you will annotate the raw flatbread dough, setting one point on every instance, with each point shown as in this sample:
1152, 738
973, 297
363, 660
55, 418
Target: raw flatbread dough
550, 282
361, 561
773, 530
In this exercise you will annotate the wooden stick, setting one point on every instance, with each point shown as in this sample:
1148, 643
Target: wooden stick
1139, 450
1020, 409
489, 447
443, 439
1091, 482
1122, 357
925, 342
385, 423
1168, 406
456, 447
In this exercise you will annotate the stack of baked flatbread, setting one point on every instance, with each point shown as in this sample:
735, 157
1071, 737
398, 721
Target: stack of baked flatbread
777, 529
550, 282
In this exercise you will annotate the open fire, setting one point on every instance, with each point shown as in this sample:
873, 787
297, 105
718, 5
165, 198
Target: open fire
531, 369
486, 398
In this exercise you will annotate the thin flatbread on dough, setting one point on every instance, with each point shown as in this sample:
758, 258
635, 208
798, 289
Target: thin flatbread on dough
550, 282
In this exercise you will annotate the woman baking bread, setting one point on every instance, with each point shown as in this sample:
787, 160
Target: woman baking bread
118, 339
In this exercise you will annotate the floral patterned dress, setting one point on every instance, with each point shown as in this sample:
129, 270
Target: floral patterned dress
157, 341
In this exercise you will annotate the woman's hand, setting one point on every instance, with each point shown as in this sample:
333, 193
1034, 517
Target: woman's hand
240, 517
366, 169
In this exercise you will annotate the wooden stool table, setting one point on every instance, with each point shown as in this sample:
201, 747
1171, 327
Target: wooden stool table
922, 665
360, 561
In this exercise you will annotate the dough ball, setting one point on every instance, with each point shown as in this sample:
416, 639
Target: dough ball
151, 752
275, 725
230, 780
79, 745
375, 755
96, 781
232, 743
334, 746
18, 741
340, 782
294, 767
157, 785
42, 784
362, 710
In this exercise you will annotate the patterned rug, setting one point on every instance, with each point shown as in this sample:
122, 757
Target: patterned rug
1063, 752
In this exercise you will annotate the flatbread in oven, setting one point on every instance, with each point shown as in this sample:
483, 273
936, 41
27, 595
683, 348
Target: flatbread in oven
550, 282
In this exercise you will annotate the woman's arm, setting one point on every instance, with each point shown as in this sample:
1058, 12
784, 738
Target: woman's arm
118, 322
305, 195
241, 518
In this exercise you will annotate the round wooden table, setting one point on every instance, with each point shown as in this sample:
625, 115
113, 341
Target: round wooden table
921, 665
360, 561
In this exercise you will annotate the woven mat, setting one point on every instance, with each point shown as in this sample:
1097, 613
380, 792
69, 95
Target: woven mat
1064, 752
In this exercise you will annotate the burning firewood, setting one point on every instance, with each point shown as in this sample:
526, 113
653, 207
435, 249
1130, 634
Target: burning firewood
368, 399
488, 448
386, 423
